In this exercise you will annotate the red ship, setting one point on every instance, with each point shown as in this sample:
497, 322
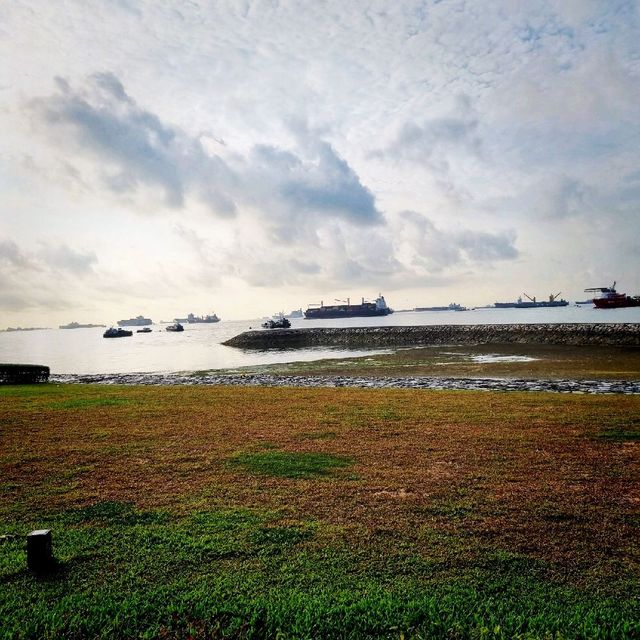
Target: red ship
609, 298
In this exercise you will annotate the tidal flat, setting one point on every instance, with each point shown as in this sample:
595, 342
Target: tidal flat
530, 361
244, 512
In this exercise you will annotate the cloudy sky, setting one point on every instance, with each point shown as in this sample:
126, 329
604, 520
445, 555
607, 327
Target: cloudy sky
161, 157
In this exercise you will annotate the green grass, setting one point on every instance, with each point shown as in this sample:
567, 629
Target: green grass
85, 403
237, 574
285, 464
235, 513
621, 435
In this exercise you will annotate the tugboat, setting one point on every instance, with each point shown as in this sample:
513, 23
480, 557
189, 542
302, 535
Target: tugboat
175, 327
117, 333
609, 298
279, 323
145, 330
348, 310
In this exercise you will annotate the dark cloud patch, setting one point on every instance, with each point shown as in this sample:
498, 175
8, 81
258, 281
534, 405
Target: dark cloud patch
40, 279
433, 140
292, 189
307, 267
436, 249
12, 256
108, 123
487, 247
332, 186
64, 258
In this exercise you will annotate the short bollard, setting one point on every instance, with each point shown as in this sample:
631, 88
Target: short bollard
39, 551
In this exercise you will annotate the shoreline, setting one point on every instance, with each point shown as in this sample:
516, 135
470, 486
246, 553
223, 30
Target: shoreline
434, 383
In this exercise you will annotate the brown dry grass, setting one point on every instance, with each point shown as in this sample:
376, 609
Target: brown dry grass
523, 472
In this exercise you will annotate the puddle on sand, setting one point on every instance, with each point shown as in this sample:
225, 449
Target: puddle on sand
485, 358
491, 357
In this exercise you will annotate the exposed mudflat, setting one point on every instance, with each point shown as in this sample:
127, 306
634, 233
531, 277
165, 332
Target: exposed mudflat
408, 382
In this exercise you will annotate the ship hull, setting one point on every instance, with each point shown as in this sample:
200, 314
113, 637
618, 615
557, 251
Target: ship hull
344, 312
616, 303
135, 322
530, 305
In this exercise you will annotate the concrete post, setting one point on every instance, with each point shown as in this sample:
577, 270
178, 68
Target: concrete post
39, 551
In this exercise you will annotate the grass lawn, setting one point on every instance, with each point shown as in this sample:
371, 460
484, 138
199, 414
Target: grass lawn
215, 512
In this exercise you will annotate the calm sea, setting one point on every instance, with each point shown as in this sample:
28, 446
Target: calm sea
85, 351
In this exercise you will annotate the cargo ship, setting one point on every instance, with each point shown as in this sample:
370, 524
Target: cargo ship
347, 310
532, 303
609, 298
77, 325
138, 321
191, 319
454, 306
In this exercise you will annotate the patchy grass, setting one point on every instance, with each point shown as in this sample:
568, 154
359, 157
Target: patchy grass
619, 435
286, 464
336, 513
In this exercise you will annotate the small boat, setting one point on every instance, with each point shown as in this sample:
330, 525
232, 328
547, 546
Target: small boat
145, 330
609, 298
280, 323
175, 327
112, 332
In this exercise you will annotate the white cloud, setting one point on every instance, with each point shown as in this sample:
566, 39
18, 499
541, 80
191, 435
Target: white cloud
263, 149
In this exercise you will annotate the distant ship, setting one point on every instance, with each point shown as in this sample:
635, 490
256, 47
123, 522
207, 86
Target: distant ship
191, 319
138, 321
532, 303
77, 325
454, 306
609, 298
348, 310
296, 313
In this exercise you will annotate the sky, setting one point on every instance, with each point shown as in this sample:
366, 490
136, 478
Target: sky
164, 157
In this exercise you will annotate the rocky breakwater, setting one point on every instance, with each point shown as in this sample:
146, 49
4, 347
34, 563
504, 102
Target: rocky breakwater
373, 337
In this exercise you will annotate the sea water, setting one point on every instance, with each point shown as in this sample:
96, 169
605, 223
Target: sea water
198, 347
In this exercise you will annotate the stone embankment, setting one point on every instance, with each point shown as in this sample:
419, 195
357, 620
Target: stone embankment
374, 337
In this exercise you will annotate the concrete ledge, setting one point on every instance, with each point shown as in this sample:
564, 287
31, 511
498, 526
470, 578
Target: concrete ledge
373, 337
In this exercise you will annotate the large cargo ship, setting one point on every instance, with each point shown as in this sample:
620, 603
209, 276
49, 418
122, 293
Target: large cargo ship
138, 321
191, 319
77, 325
532, 303
454, 306
609, 298
348, 310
